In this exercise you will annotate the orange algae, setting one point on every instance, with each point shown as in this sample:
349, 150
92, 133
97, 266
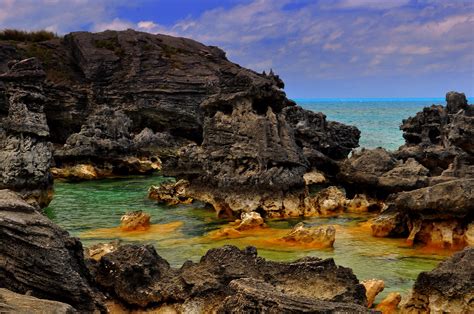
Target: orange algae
153, 232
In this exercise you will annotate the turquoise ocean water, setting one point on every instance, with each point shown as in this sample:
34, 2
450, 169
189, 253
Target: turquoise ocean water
378, 119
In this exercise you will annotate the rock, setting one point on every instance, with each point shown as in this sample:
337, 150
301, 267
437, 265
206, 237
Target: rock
448, 288
38, 256
407, 176
389, 305
98, 250
76, 173
329, 201
314, 177
318, 236
11, 302
138, 276
469, 234
171, 193
253, 295
390, 223
25, 153
455, 102
250, 220
372, 288
446, 234
361, 204
135, 221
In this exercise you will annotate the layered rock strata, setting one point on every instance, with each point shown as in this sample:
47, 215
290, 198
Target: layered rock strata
25, 152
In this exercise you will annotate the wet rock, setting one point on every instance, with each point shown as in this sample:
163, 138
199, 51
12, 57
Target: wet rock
138, 276
448, 288
38, 256
361, 204
76, 173
136, 220
390, 223
171, 193
25, 152
446, 234
317, 236
389, 305
372, 288
98, 250
11, 302
329, 201
250, 221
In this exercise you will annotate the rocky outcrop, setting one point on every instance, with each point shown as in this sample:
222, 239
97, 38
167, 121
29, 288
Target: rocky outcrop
223, 279
372, 288
170, 193
40, 258
317, 236
136, 220
11, 302
446, 289
25, 153
389, 305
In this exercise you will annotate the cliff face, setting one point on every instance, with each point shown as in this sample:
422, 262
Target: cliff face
113, 95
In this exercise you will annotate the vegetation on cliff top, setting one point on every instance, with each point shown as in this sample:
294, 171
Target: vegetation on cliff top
34, 36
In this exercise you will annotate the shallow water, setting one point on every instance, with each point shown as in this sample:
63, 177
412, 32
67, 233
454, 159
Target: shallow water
92, 210
378, 120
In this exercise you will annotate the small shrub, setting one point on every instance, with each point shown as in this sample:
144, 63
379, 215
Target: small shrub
19, 35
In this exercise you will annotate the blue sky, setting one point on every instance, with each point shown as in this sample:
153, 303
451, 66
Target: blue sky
326, 48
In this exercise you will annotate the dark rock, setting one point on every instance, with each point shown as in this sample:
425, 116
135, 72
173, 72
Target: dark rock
37, 256
455, 102
25, 153
138, 276
446, 289
11, 302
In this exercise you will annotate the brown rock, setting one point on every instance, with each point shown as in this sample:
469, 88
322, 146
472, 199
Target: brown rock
319, 236
250, 221
98, 250
389, 305
372, 288
11, 302
133, 221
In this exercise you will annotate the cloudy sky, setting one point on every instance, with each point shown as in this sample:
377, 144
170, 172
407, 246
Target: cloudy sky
325, 48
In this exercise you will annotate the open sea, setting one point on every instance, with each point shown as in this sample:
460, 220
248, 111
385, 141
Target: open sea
378, 119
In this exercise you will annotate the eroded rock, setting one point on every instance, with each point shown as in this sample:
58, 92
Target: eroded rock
136, 220
372, 288
171, 193
11, 302
317, 236
389, 305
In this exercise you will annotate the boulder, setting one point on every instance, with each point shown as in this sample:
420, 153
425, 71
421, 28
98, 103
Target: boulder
329, 201
317, 236
76, 173
389, 305
372, 288
250, 220
171, 193
39, 257
446, 289
138, 276
11, 302
135, 221
98, 250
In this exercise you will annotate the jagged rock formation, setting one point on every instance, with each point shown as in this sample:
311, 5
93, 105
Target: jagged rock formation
38, 257
225, 279
11, 302
449, 288
229, 131
25, 153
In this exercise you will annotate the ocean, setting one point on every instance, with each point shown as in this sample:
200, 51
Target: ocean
378, 119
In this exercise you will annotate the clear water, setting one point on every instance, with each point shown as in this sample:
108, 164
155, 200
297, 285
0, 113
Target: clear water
378, 119
92, 210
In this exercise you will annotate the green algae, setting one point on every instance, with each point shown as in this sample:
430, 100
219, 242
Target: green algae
83, 208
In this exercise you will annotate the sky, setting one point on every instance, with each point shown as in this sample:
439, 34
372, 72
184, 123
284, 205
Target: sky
320, 48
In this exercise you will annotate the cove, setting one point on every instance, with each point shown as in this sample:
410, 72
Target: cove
89, 208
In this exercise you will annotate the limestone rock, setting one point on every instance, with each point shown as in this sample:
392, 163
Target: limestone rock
372, 288
171, 193
98, 250
54, 266
11, 302
389, 305
319, 236
76, 173
331, 200
136, 220
314, 177
448, 288
250, 221
138, 276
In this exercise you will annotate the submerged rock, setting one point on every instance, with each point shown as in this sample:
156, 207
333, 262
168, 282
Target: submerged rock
372, 288
223, 278
39, 257
318, 236
136, 220
11, 302
446, 289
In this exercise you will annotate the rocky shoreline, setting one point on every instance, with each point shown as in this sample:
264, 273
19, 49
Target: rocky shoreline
116, 103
